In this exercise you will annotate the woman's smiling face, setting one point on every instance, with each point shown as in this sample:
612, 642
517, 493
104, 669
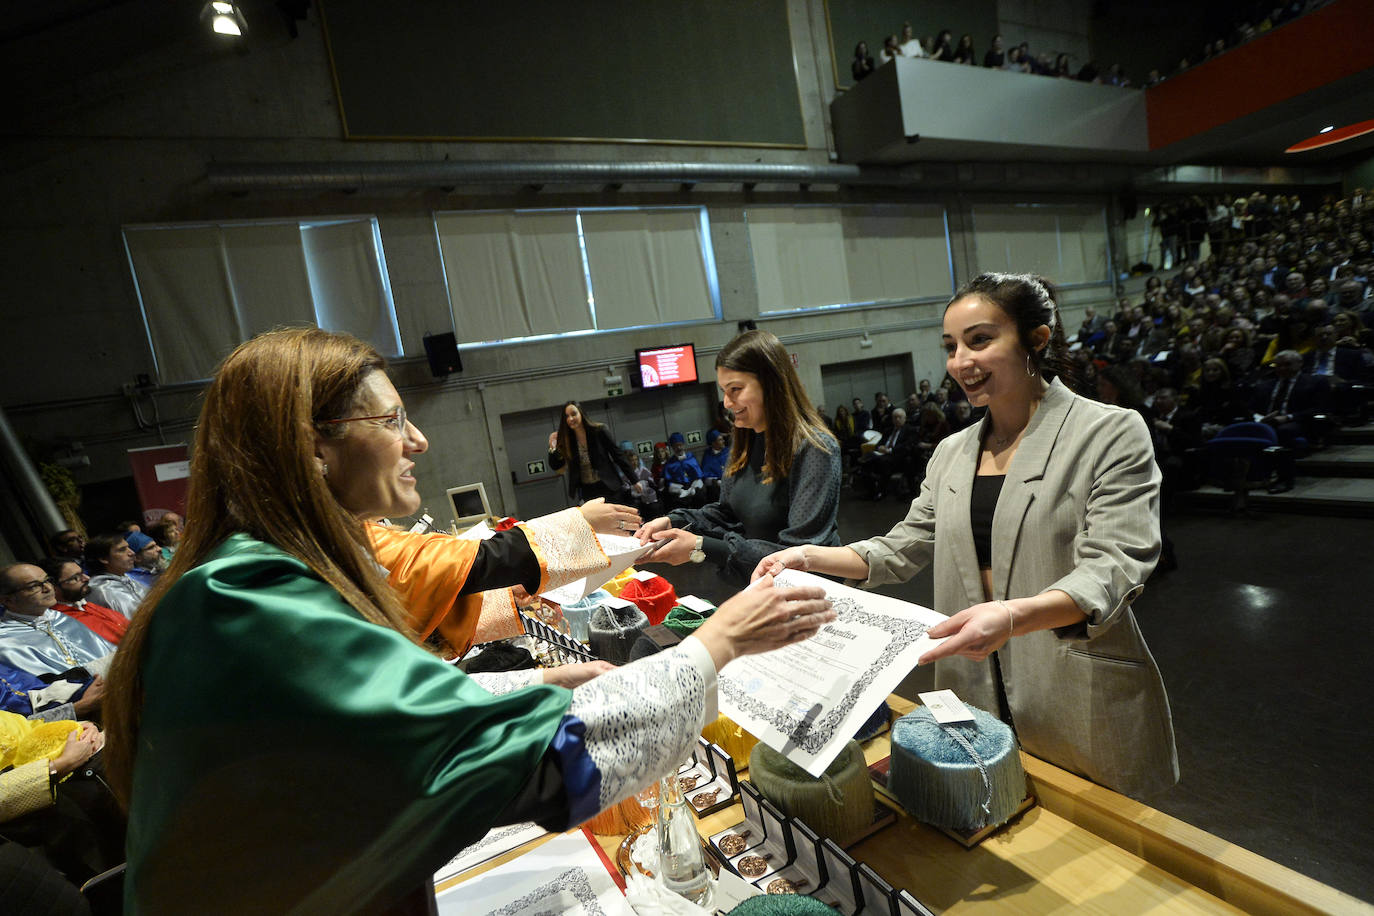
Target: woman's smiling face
370, 464
983, 352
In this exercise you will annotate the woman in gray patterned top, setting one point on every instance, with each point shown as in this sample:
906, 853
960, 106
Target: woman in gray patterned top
782, 484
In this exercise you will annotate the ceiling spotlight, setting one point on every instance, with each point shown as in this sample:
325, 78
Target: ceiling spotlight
224, 18
1327, 128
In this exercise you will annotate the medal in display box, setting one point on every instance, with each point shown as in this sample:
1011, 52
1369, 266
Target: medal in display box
748, 833
714, 783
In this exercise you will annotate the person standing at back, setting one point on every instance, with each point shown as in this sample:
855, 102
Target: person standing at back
595, 467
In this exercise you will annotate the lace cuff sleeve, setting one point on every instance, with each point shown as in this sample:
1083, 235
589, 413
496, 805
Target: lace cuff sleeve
497, 683
641, 719
567, 548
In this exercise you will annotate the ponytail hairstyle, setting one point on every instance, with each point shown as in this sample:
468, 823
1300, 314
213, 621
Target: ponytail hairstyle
1031, 302
791, 417
253, 470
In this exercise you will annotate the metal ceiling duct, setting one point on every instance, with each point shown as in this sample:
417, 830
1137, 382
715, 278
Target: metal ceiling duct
391, 176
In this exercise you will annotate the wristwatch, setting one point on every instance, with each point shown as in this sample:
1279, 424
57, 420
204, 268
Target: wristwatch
697, 554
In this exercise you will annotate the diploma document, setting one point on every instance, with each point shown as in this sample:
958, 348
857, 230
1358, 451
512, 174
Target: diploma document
808, 699
620, 550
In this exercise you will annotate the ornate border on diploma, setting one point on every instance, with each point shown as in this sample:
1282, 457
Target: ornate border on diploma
490, 838
812, 736
574, 881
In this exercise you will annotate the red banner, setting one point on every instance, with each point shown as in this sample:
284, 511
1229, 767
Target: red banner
160, 474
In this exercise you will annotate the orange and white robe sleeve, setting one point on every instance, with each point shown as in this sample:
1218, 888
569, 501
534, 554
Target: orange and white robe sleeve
463, 588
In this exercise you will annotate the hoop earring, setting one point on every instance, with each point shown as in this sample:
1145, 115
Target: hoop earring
1030, 370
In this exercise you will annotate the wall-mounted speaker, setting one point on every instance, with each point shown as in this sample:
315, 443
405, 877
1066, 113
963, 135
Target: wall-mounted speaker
442, 352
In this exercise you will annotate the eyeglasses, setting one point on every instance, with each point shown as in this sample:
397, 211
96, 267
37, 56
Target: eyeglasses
30, 588
396, 420
72, 578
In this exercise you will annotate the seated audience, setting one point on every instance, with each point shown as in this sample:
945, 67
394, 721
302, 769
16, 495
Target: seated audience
891, 456
148, 562
72, 587
1343, 367
53, 802
1216, 403
661, 457
41, 641
681, 470
881, 416
962, 417
1290, 403
934, 425
716, 454
167, 531
109, 559
68, 543
643, 493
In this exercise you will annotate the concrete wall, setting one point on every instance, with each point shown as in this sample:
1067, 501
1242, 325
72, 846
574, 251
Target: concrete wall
1051, 26
1359, 176
127, 138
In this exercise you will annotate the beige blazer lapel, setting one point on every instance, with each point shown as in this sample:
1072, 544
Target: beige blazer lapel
1022, 487
957, 519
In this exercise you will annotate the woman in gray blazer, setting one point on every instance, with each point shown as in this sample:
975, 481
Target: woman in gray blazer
1043, 524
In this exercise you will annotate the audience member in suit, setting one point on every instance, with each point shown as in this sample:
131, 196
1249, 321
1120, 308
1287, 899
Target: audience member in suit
863, 420
1177, 435
1289, 402
882, 412
891, 456
1341, 366
1217, 403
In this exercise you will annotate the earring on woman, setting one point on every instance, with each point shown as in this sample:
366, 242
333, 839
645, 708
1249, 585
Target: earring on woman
324, 469
1030, 370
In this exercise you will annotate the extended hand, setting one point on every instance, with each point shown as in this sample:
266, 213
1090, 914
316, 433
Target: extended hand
575, 675
764, 617
610, 518
975, 632
677, 547
774, 563
648, 529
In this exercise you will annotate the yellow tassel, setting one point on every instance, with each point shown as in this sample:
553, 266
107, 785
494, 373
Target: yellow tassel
729, 735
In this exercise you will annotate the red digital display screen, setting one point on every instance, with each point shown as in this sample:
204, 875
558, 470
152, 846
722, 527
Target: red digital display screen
664, 366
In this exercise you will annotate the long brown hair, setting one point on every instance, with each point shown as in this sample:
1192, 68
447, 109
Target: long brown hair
253, 470
790, 417
567, 443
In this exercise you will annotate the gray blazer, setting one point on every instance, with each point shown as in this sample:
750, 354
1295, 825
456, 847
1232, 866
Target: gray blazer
1078, 512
